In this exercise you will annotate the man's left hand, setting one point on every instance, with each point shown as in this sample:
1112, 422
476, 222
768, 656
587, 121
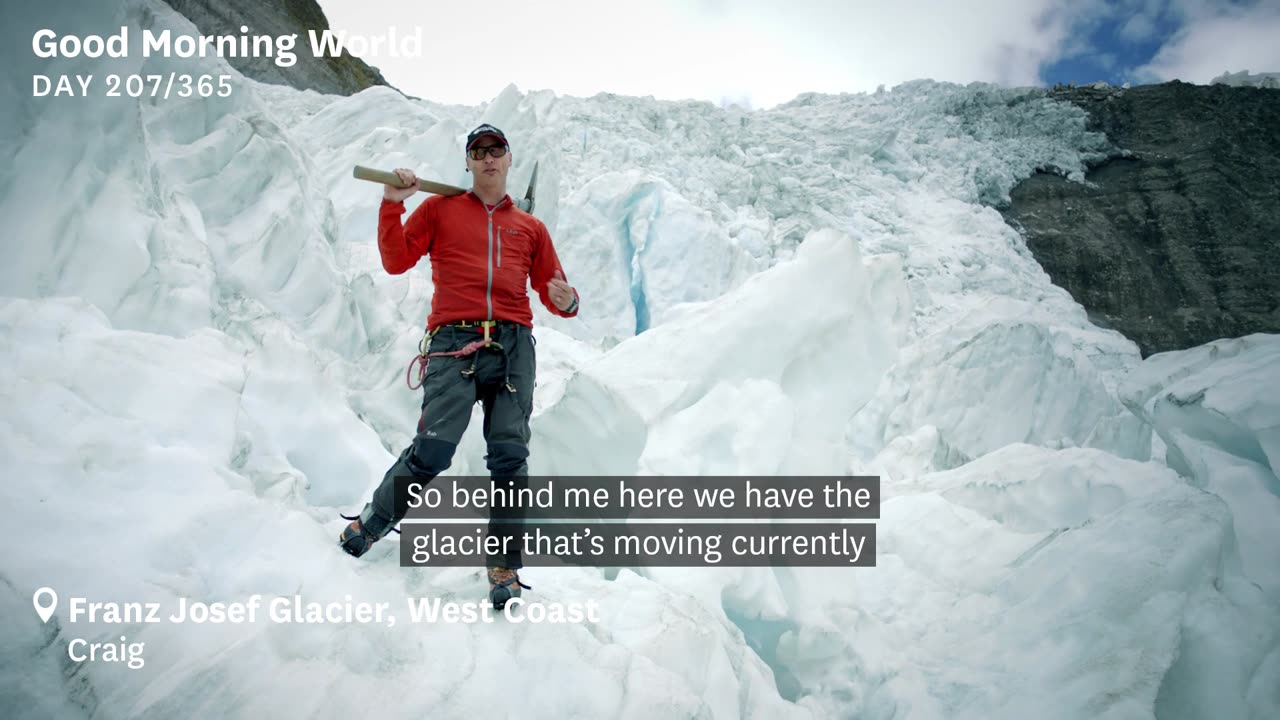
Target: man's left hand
560, 292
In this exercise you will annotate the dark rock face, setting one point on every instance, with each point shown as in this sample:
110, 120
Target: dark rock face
1175, 241
344, 75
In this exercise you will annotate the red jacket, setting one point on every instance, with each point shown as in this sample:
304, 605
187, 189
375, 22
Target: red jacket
481, 260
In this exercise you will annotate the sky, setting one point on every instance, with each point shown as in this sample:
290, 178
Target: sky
759, 53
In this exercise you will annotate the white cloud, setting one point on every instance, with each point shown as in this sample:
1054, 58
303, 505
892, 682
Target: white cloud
1215, 40
1143, 16
1138, 28
752, 51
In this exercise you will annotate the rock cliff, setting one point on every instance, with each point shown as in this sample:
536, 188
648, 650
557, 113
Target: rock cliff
1175, 240
344, 75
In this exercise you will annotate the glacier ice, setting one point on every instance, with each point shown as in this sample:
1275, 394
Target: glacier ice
203, 363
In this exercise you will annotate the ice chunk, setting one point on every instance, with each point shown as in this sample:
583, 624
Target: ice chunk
1217, 408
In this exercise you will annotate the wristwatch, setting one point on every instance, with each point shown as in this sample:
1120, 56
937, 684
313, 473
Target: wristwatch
573, 305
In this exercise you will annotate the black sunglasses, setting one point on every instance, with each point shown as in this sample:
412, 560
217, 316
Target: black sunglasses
478, 153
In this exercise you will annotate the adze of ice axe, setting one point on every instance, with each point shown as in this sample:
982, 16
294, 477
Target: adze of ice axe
389, 178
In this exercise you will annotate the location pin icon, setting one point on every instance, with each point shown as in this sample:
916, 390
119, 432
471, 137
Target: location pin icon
45, 609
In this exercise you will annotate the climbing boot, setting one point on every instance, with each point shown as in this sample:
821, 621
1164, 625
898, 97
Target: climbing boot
504, 584
365, 529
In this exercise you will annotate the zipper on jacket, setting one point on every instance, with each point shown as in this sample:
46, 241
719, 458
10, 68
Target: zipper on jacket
488, 290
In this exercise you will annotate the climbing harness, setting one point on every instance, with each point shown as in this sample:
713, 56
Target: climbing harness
423, 358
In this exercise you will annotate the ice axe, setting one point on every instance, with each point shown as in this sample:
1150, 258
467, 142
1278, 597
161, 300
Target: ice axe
389, 178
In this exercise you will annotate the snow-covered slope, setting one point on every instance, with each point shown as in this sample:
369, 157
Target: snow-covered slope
203, 363
1244, 78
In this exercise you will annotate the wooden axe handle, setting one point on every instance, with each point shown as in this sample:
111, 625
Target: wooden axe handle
389, 178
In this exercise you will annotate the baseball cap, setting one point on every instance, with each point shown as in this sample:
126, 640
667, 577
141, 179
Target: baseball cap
483, 131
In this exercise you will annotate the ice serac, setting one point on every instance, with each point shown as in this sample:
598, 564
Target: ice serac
643, 249
175, 195
1244, 78
750, 345
96, 186
1217, 409
998, 382
1029, 582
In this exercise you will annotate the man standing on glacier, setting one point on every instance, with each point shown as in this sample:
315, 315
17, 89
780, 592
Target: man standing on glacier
484, 253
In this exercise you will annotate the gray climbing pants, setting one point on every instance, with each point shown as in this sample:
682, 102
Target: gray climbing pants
502, 382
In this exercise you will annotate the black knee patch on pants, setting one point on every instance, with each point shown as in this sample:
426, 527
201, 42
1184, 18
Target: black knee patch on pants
430, 457
420, 462
507, 459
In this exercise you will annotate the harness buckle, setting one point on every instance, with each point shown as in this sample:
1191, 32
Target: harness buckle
475, 323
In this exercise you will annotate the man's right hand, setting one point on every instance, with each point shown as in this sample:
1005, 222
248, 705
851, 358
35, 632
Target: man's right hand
392, 193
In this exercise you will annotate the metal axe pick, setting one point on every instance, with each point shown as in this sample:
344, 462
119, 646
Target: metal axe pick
526, 204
